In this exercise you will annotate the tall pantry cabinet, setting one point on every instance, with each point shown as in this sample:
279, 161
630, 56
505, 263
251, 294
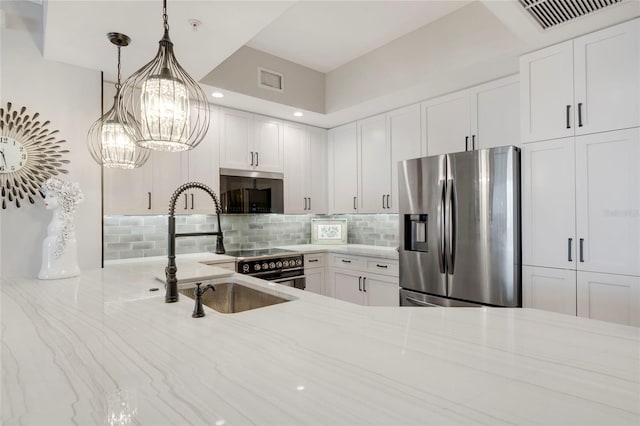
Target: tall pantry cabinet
581, 176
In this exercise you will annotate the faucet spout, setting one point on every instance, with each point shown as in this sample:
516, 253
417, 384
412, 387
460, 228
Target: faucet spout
171, 269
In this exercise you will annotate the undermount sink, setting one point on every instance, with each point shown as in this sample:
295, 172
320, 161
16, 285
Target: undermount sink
229, 298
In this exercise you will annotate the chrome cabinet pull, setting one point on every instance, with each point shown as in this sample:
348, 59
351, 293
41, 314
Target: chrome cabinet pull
570, 242
568, 116
252, 158
257, 159
364, 284
354, 203
579, 114
359, 283
185, 202
582, 250
149, 194
192, 203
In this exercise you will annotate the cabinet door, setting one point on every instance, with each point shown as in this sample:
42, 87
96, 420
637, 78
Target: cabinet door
236, 139
348, 287
607, 79
343, 169
314, 280
404, 134
381, 291
447, 124
317, 176
608, 297
170, 170
549, 289
203, 167
268, 144
296, 161
548, 204
374, 165
495, 117
129, 192
608, 201
546, 91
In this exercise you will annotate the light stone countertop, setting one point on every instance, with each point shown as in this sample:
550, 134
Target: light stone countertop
102, 349
353, 249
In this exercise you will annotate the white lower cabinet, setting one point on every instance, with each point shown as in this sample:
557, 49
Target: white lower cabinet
364, 280
315, 273
549, 289
608, 297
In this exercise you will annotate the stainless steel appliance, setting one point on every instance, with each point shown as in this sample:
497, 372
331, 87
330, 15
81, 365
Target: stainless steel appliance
460, 229
244, 191
272, 264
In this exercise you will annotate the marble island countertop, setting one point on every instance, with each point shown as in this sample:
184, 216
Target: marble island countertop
103, 349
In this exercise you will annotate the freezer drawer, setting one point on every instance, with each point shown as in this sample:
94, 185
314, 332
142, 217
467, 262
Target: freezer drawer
413, 298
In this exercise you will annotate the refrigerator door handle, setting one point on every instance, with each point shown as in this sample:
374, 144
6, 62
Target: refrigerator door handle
440, 226
450, 227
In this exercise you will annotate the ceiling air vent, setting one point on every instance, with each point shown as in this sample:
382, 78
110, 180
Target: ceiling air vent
550, 13
271, 80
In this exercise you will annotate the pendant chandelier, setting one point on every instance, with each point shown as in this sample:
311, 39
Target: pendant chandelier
164, 108
109, 143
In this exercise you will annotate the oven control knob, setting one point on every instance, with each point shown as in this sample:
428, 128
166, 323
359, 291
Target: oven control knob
298, 262
245, 268
265, 266
257, 267
272, 265
285, 263
279, 264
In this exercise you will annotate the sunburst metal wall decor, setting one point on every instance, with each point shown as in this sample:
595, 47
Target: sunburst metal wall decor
29, 155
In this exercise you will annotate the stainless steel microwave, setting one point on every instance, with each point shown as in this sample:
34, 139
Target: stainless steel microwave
244, 191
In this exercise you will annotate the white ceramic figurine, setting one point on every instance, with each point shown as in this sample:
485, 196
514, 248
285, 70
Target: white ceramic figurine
59, 248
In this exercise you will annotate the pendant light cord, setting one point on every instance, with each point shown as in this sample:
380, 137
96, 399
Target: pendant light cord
118, 85
165, 17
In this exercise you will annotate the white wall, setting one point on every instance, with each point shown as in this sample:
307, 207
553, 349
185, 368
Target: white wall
463, 49
69, 97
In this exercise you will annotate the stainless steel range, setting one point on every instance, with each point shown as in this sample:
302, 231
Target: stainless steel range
272, 264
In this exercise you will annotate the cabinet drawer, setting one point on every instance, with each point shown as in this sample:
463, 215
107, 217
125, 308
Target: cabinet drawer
314, 260
384, 267
348, 262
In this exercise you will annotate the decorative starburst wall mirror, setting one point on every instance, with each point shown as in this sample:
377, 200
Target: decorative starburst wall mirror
29, 155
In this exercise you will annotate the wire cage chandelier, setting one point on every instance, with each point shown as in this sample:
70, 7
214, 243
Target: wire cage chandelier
163, 107
108, 141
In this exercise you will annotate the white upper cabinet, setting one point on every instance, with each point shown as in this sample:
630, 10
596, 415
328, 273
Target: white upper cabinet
608, 202
495, 114
129, 192
483, 116
305, 167
251, 142
602, 66
546, 90
343, 169
447, 124
404, 134
203, 167
170, 170
268, 144
374, 165
548, 204
607, 79
236, 139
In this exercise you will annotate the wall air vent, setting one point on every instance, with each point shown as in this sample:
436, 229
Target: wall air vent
549, 13
271, 80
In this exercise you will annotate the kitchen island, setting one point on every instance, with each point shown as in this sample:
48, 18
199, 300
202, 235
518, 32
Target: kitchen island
104, 349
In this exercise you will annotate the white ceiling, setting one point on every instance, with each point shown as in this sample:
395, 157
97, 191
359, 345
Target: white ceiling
324, 35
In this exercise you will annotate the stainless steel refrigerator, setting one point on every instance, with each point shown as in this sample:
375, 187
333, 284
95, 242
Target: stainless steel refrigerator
460, 229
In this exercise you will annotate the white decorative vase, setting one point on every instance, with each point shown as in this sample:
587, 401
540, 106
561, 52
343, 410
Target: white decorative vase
59, 248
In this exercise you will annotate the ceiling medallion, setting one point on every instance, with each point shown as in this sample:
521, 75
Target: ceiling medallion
29, 155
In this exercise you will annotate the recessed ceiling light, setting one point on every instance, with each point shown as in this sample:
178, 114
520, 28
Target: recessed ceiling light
297, 114
217, 95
